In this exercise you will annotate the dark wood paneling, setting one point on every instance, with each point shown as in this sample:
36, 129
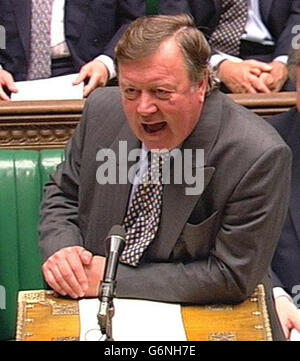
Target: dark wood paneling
49, 124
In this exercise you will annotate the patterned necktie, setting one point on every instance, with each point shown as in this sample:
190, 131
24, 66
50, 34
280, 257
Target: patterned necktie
227, 35
143, 215
40, 44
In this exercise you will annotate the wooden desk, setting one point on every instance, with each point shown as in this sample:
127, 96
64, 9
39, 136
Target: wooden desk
43, 316
49, 124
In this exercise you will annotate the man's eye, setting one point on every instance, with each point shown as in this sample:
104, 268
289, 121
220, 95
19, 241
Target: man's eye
163, 94
131, 93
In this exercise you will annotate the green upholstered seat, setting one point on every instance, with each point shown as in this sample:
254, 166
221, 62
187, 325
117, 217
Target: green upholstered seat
22, 175
152, 7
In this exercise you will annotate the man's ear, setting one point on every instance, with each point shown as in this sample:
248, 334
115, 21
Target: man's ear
201, 89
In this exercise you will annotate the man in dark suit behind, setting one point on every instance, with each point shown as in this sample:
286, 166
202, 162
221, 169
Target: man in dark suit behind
265, 44
83, 29
216, 233
286, 261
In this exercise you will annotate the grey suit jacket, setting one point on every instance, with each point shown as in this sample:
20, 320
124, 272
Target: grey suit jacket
210, 248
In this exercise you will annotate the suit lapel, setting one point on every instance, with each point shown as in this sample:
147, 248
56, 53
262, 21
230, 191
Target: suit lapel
265, 7
75, 16
22, 10
177, 208
217, 4
294, 143
114, 197
218, 7
123, 187
177, 205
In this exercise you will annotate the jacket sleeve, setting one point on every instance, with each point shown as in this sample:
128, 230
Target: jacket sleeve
59, 225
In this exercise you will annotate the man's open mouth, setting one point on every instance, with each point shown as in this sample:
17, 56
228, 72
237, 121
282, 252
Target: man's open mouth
153, 128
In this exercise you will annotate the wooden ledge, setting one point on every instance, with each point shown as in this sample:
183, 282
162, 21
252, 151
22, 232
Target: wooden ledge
280, 100
50, 124
41, 107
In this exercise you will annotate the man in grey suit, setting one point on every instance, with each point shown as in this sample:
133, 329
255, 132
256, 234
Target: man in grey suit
211, 246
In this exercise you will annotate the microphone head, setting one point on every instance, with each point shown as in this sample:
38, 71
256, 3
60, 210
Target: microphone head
115, 241
117, 230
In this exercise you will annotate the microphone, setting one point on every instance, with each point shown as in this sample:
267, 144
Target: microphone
115, 243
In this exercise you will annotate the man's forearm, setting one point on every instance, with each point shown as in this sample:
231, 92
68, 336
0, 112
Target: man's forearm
200, 282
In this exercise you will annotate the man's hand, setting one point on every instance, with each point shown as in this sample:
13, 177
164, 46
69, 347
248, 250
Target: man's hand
277, 76
6, 80
288, 315
64, 271
243, 77
96, 73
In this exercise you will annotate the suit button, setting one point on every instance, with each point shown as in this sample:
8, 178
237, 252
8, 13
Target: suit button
96, 42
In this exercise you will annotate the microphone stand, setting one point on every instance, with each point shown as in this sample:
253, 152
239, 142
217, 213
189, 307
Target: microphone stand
106, 310
115, 244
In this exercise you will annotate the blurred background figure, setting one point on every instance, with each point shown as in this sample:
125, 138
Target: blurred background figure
46, 38
251, 39
286, 261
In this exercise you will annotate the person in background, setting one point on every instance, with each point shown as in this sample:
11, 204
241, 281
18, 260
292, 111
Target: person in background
45, 38
286, 261
251, 40
217, 246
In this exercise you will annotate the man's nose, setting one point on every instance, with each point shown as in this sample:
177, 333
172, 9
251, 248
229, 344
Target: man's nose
146, 105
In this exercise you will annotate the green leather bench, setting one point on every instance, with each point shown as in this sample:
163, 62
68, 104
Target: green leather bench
22, 176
